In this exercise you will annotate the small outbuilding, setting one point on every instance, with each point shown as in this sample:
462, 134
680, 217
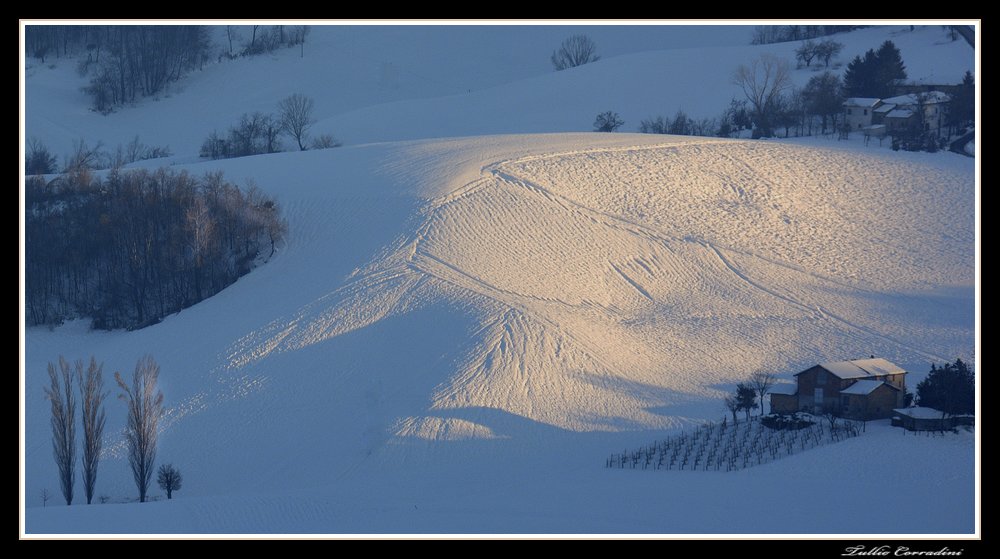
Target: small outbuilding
927, 419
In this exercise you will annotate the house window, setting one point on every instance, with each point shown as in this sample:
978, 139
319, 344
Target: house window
820, 378
859, 125
818, 396
866, 112
848, 111
845, 401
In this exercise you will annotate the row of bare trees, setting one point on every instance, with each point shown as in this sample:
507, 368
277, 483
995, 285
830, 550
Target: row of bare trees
145, 408
135, 246
260, 133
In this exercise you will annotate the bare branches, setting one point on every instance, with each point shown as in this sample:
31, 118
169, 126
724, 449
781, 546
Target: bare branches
763, 82
60, 395
92, 396
145, 407
169, 478
761, 382
296, 117
575, 51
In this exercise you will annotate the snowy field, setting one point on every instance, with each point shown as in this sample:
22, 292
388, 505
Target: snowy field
459, 331
379, 84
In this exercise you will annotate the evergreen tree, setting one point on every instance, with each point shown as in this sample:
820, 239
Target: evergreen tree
746, 398
963, 102
890, 70
950, 388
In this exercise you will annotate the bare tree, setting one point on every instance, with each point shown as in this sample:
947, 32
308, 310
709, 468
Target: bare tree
575, 51
169, 478
608, 121
145, 407
806, 52
325, 141
828, 49
45, 497
733, 405
763, 82
92, 396
60, 396
761, 382
296, 117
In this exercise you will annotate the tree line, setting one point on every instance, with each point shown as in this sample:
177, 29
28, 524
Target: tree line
259, 133
145, 409
766, 34
138, 245
127, 62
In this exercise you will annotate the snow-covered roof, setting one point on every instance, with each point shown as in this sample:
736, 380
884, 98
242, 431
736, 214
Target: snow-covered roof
878, 366
785, 388
886, 107
936, 97
919, 412
861, 368
861, 102
912, 99
865, 387
899, 113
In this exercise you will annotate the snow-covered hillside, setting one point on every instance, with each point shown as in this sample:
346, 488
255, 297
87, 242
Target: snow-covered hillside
380, 84
458, 331
454, 325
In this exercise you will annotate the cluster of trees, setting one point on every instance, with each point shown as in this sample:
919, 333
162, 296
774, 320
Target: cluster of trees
962, 109
260, 133
127, 62
262, 39
38, 160
608, 121
876, 74
745, 398
824, 50
135, 246
766, 34
140, 60
681, 125
950, 388
145, 408
575, 51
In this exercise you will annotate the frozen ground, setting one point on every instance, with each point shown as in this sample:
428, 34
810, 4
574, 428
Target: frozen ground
459, 332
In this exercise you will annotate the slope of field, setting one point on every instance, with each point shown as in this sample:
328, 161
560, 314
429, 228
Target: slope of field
458, 332
375, 84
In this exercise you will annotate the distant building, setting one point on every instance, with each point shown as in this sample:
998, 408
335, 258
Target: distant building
906, 112
861, 389
927, 419
899, 115
858, 112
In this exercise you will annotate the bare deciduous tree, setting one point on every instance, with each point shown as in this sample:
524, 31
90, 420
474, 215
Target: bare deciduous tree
608, 121
763, 82
733, 405
60, 395
761, 382
296, 117
92, 396
45, 497
169, 478
806, 52
575, 51
145, 407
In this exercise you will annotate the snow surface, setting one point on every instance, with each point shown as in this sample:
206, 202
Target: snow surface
376, 84
458, 332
